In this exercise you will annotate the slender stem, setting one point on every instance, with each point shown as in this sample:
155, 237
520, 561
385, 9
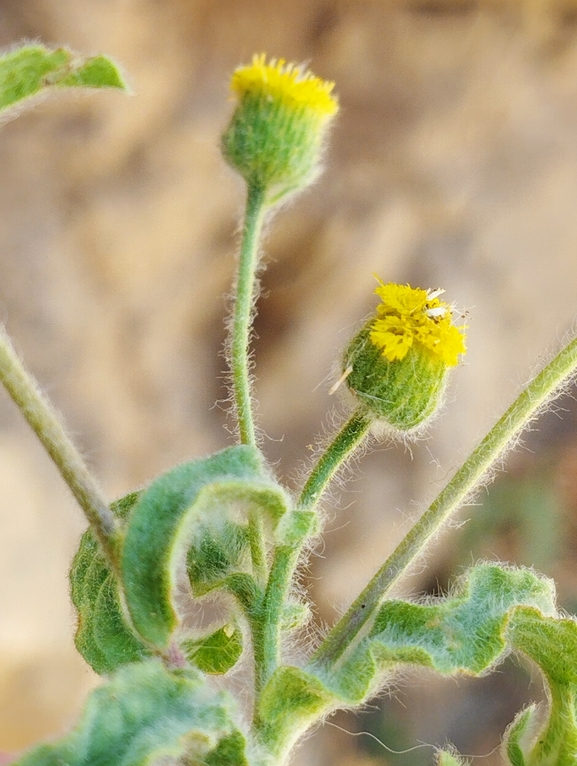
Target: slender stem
243, 309
47, 426
344, 444
544, 386
267, 628
267, 641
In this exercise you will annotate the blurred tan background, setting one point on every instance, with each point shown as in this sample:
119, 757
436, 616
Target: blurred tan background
453, 163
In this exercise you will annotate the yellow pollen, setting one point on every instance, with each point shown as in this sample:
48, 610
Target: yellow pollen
410, 316
294, 86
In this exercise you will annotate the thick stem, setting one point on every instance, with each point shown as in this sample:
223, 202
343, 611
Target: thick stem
48, 428
464, 483
343, 445
243, 310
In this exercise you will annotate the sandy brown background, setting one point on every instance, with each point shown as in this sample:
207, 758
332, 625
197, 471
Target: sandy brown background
453, 163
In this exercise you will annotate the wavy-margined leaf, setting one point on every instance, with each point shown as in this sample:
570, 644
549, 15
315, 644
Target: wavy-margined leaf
463, 633
194, 508
145, 714
552, 644
103, 636
216, 653
31, 70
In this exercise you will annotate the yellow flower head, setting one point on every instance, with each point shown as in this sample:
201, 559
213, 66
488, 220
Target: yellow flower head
276, 133
291, 85
396, 366
410, 316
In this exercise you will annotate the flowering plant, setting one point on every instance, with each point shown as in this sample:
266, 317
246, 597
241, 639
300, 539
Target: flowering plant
224, 527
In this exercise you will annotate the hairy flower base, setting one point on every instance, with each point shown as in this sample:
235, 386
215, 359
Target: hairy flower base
404, 393
275, 135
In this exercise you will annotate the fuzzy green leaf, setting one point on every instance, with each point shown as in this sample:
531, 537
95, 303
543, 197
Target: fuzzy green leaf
217, 550
230, 751
33, 69
103, 636
142, 714
216, 653
183, 509
291, 701
463, 633
517, 734
552, 644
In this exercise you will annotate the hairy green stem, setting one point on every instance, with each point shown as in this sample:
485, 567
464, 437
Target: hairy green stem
464, 483
267, 641
243, 310
343, 445
257, 546
267, 627
48, 427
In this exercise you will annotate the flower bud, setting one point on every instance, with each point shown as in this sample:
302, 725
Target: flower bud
397, 364
276, 132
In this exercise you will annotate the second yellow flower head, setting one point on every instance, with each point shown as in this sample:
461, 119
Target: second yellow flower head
397, 365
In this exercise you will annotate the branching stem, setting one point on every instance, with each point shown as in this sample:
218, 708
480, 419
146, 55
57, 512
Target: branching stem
48, 427
544, 386
267, 639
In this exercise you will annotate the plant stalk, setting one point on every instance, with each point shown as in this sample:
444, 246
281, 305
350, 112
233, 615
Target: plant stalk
343, 445
541, 390
243, 312
267, 628
267, 642
48, 427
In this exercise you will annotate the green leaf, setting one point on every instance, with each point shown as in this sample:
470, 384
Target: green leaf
230, 751
103, 635
216, 653
552, 644
517, 734
194, 506
142, 714
463, 633
290, 703
217, 550
33, 69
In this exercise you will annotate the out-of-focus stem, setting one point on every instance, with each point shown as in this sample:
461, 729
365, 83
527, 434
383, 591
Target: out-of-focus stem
48, 427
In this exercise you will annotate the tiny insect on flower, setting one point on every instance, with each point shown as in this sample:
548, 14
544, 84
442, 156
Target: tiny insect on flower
408, 316
397, 365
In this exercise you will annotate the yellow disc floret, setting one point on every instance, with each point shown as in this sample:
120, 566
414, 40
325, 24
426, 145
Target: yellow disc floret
276, 134
408, 316
290, 84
